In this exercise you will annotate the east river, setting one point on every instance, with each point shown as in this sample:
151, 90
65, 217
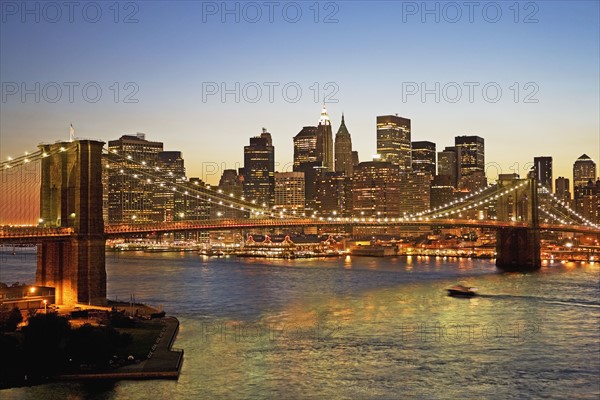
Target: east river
355, 328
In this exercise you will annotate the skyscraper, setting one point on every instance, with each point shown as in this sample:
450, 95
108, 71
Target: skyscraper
305, 146
307, 160
197, 208
542, 168
423, 157
289, 191
471, 157
355, 160
171, 163
442, 191
343, 150
584, 170
584, 188
325, 141
587, 201
259, 169
376, 189
231, 183
133, 200
448, 164
334, 194
562, 189
415, 188
393, 141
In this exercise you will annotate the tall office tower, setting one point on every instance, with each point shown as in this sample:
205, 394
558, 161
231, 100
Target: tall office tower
448, 164
471, 157
307, 160
305, 146
289, 192
325, 141
259, 169
129, 199
442, 191
355, 160
334, 194
197, 208
171, 164
393, 141
343, 150
472, 182
542, 168
376, 189
423, 157
587, 201
562, 189
584, 170
231, 182
415, 188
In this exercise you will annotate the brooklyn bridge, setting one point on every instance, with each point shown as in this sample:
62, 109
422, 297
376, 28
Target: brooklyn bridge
71, 232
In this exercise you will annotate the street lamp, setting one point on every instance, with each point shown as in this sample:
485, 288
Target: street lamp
45, 306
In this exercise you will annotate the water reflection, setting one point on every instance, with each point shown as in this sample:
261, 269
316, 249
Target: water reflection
359, 328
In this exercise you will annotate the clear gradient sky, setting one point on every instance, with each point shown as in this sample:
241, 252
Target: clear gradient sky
373, 50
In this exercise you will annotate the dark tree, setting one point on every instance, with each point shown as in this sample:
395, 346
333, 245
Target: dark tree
10, 319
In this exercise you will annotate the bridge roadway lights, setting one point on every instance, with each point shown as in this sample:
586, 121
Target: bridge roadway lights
518, 249
71, 196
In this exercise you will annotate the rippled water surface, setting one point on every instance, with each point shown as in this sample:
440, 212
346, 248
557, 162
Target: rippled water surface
356, 328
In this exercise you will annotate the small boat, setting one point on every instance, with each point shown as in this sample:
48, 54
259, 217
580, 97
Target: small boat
462, 291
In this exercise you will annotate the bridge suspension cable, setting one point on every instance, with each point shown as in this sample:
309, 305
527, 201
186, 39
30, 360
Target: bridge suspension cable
568, 213
479, 198
156, 175
29, 157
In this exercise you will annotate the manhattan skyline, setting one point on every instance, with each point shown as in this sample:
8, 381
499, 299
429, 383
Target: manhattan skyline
369, 73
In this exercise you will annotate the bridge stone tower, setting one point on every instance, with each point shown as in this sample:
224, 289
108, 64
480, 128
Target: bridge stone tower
71, 196
518, 248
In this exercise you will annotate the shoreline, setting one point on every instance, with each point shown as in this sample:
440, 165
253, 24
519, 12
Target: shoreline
163, 362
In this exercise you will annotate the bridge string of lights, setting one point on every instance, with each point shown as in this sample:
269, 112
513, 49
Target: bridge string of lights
30, 157
453, 204
562, 219
488, 195
563, 204
196, 191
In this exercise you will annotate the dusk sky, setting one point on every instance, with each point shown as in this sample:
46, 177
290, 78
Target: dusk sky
371, 57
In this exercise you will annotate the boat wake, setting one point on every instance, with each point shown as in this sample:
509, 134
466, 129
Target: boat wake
543, 300
567, 303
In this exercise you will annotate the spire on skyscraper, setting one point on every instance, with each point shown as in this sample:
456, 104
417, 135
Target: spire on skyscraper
343, 150
324, 117
343, 130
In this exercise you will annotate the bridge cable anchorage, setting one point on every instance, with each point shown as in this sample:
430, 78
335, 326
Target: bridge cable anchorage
151, 175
